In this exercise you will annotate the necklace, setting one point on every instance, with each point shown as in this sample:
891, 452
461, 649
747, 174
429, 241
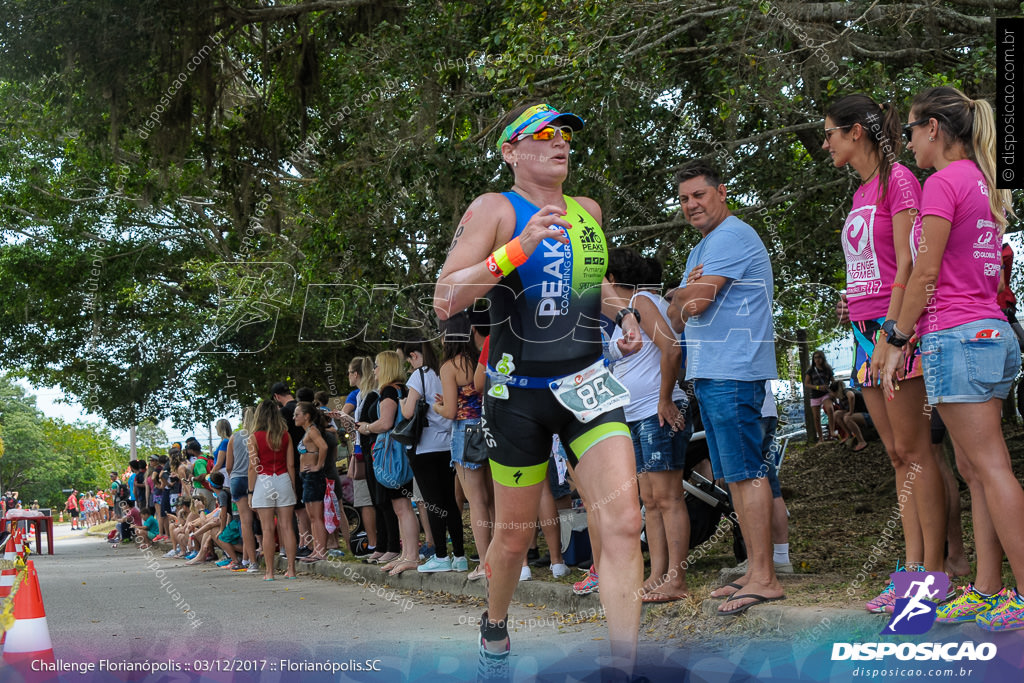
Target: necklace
863, 188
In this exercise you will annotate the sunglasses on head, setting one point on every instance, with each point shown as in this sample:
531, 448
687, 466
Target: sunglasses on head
548, 133
908, 130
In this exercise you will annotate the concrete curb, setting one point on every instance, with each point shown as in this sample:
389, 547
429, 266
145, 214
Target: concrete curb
554, 596
558, 597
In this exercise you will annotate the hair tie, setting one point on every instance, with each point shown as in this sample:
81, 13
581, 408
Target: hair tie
970, 104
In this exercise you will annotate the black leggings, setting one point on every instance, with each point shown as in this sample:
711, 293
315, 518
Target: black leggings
436, 478
388, 540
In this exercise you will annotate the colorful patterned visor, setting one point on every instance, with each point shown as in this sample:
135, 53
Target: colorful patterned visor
535, 118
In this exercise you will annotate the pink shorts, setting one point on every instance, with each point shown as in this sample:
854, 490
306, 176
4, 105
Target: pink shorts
816, 402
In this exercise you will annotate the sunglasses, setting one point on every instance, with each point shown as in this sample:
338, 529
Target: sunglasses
548, 133
908, 130
828, 131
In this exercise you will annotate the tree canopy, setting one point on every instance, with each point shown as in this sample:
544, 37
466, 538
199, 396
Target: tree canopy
42, 456
198, 199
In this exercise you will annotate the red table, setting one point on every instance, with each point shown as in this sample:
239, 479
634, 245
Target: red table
41, 523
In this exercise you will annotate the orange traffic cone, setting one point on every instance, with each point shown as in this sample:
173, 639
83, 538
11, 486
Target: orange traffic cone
60, 520
7, 575
29, 638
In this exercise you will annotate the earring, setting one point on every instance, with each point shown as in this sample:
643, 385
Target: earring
515, 164
931, 138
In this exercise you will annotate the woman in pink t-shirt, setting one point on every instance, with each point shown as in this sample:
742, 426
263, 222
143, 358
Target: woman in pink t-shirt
969, 351
877, 240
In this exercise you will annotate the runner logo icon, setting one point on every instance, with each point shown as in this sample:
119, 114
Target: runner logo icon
914, 613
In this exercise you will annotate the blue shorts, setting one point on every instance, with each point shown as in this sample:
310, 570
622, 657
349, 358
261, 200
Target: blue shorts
970, 363
731, 411
459, 443
239, 488
657, 448
768, 452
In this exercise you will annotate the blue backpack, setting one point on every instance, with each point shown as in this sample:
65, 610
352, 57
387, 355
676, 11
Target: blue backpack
390, 458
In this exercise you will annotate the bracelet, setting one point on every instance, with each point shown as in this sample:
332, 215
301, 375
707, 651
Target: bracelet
250, 492
898, 333
506, 258
901, 286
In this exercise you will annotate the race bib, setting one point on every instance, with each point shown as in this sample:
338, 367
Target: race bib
590, 392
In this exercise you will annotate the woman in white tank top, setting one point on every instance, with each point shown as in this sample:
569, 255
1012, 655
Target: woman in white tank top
657, 416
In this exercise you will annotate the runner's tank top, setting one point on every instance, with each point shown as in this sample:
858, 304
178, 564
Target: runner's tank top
546, 313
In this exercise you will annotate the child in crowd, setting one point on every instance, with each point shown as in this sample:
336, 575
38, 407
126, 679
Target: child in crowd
210, 526
149, 527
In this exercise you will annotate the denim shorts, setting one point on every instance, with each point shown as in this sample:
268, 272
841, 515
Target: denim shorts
239, 488
459, 443
970, 363
731, 410
768, 453
657, 448
314, 486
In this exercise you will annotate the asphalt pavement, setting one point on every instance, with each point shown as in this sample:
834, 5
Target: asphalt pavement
117, 604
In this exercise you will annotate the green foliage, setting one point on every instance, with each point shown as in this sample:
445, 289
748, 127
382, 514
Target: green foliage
42, 456
198, 199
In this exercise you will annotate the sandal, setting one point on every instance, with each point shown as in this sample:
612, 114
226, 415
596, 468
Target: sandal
387, 558
402, 566
736, 586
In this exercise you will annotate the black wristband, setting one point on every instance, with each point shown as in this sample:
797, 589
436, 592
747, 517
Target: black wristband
250, 492
622, 314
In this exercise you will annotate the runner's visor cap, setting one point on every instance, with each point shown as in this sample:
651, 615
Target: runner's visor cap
537, 118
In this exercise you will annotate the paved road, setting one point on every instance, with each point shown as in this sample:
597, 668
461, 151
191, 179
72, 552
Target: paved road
103, 602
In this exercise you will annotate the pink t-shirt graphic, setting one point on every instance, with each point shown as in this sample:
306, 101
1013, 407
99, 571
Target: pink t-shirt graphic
867, 239
965, 290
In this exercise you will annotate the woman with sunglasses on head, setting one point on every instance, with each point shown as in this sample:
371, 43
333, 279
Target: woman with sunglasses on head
391, 389
969, 350
540, 256
877, 241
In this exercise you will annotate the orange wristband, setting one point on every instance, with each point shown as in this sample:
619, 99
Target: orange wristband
901, 286
514, 249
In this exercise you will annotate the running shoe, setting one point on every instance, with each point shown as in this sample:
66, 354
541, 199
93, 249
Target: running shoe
225, 562
492, 666
1008, 615
460, 564
967, 607
587, 585
253, 568
191, 555
426, 551
237, 567
435, 564
171, 553
886, 598
525, 574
